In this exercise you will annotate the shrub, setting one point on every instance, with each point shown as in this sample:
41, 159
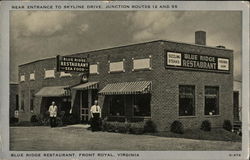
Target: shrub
34, 119
59, 122
43, 120
122, 127
227, 125
150, 127
136, 130
177, 127
205, 125
13, 120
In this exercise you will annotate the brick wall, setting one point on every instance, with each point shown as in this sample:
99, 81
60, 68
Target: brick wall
165, 82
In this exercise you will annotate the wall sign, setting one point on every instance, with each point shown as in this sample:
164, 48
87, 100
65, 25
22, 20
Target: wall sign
72, 64
197, 62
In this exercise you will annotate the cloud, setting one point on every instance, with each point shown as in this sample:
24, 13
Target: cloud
149, 24
39, 23
237, 65
83, 28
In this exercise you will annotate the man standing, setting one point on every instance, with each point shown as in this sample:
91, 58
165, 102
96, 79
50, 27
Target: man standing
95, 112
53, 114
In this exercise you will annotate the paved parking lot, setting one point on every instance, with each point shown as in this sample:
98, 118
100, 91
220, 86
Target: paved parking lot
79, 138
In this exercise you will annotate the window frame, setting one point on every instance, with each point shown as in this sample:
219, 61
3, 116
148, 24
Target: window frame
194, 102
110, 105
54, 76
218, 103
133, 102
32, 79
117, 71
141, 69
22, 80
97, 64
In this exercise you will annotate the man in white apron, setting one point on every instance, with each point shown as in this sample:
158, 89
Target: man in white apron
96, 114
53, 114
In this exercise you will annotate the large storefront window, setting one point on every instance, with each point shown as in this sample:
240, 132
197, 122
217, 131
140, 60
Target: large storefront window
211, 100
116, 107
186, 100
141, 105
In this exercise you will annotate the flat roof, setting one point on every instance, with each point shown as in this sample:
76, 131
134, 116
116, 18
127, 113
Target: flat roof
129, 45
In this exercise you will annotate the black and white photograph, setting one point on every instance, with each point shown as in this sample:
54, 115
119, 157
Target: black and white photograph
125, 80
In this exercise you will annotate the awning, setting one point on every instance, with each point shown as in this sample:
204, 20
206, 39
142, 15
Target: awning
139, 87
53, 91
85, 86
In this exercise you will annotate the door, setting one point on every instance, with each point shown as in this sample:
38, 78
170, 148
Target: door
84, 105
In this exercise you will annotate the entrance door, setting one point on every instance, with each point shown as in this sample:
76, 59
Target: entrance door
86, 101
84, 111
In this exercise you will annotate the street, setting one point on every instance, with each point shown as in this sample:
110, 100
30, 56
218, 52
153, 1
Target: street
77, 137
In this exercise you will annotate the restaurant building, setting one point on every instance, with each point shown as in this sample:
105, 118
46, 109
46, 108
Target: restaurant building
159, 80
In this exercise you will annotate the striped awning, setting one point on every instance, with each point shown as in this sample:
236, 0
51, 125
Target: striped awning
53, 91
139, 87
85, 86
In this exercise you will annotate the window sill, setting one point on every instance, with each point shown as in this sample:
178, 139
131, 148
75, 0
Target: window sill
142, 69
183, 117
32, 79
49, 77
146, 117
113, 72
210, 116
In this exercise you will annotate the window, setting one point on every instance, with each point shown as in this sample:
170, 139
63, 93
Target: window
186, 100
116, 107
17, 100
32, 76
211, 100
116, 66
32, 97
64, 74
22, 100
93, 68
144, 63
141, 105
22, 78
50, 73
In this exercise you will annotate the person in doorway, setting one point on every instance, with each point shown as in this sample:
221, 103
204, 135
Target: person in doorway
95, 112
53, 114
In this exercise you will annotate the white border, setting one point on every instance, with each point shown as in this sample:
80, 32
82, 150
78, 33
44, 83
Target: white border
182, 5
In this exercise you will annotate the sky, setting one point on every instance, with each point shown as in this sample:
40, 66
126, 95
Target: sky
41, 34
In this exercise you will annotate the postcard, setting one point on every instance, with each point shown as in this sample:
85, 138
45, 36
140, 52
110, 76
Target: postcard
93, 80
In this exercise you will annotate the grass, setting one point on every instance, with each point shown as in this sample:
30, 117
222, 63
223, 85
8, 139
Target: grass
44, 138
216, 134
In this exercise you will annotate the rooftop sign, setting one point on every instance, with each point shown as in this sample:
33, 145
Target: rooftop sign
197, 62
72, 64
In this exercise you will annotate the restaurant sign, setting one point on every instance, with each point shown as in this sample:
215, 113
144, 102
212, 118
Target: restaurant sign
72, 64
197, 62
